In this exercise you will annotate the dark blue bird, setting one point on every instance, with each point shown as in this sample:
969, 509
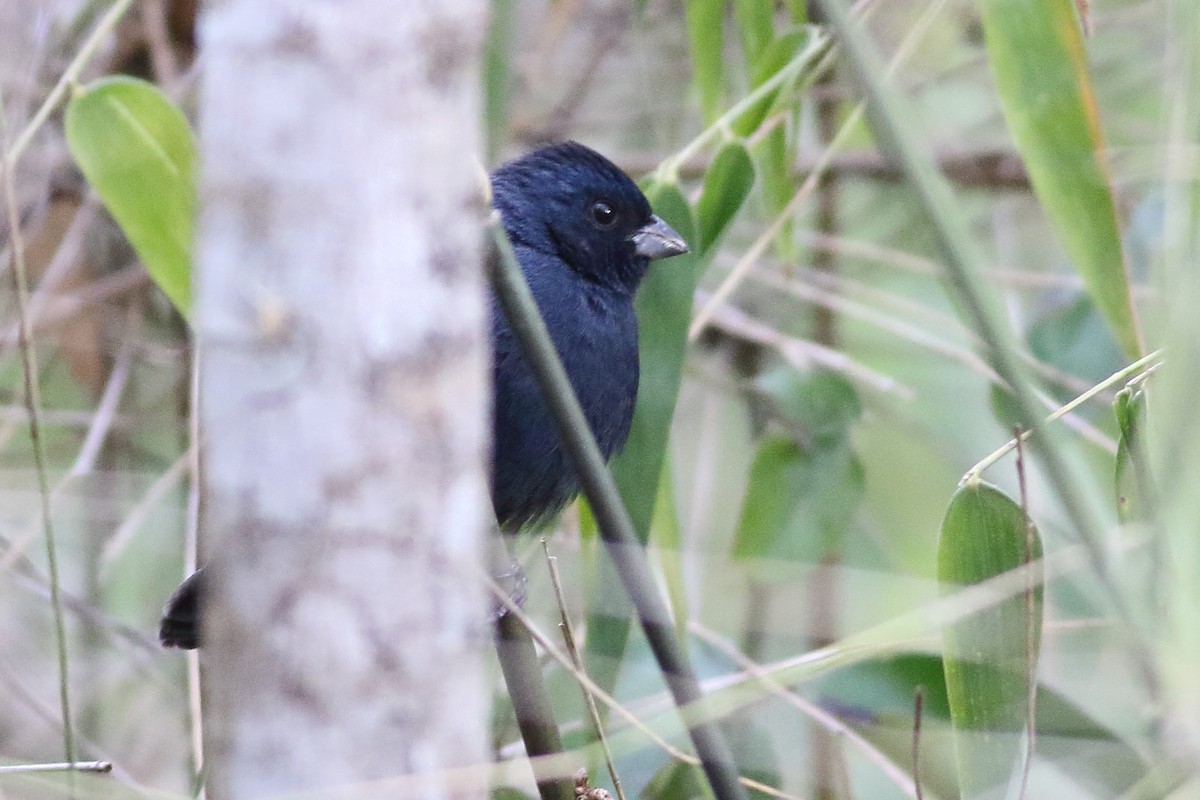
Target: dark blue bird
584, 235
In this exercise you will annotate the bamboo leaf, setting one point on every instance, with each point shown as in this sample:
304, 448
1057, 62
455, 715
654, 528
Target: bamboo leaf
705, 20
804, 489
1040, 65
1131, 473
778, 55
136, 148
664, 304
668, 549
755, 21
726, 185
987, 659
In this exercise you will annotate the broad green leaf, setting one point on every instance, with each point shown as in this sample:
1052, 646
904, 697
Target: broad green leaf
1037, 54
136, 149
705, 21
824, 404
664, 305
1073, 337
726, 185
803, 489
987, 659
1132, 476
799, 505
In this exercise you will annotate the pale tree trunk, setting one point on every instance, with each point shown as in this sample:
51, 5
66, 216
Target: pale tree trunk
343, 396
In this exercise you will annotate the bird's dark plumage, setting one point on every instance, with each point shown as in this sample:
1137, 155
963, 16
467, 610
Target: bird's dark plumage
584, 235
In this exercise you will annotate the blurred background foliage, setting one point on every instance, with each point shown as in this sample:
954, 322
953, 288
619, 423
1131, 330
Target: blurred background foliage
811, 396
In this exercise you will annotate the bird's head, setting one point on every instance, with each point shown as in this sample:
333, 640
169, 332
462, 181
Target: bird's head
573, 203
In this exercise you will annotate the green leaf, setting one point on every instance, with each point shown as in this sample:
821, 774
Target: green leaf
756, 23
1132, 465
775, 57
664, 305
497, 73
705, 21
824, 404
675, 781
987, 659
726, 185
799, 505
803, 489
668, 549
1075, 339
136, 149
1037, 54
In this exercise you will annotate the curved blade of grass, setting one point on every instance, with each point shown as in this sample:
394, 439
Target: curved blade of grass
136, 148
988, 663
1040, 65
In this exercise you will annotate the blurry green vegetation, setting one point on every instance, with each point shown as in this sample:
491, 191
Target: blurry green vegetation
793, 462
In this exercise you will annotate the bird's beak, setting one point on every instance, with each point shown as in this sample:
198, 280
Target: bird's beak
656, 239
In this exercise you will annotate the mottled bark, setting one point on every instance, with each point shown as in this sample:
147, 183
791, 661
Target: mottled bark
343, 395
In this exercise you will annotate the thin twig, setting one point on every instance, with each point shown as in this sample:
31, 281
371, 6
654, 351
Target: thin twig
29, 370
553, 767
69, 76
1031, 632
687, 712
116, 544
577, 660
100, 767
190, 562
110, 400
919, 336
918, 705
815, 712
802, 353
1117, 377
158, 39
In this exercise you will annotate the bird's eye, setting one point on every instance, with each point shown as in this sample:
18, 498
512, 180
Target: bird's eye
603, 214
